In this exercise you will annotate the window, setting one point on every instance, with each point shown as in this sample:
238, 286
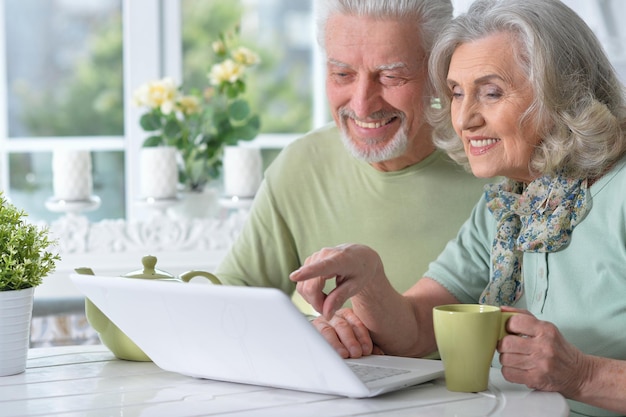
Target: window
280, 31
71, 71
64, 81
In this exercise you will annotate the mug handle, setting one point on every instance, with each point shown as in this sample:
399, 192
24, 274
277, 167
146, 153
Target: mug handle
505, 316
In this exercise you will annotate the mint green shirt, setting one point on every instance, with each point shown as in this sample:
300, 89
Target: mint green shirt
581, 288
315, 194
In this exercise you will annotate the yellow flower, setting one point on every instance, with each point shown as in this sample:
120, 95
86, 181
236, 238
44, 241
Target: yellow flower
168, 106
189, 104
228, 71
219, 47
157, 94
245, 56
177, 119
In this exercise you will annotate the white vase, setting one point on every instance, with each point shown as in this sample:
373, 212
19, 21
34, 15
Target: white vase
16, 309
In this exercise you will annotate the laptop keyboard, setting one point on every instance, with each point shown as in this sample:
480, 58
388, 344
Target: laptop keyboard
369, 373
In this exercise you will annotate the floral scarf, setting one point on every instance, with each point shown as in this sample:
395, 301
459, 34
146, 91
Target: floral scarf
538, 218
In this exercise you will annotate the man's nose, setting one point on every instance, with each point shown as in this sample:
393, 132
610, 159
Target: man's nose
366, 97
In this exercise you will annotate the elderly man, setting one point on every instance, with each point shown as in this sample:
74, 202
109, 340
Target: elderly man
372, 177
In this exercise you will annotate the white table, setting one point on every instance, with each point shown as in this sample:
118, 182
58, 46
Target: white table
89, 381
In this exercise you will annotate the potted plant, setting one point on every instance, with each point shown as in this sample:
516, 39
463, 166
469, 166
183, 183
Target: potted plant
201, 124
25, 259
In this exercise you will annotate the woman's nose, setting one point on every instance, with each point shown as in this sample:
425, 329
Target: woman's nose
468, 114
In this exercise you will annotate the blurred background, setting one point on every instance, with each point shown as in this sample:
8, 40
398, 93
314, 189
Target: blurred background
68, 69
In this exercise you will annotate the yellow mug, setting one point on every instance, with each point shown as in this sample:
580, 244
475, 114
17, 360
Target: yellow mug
467, 335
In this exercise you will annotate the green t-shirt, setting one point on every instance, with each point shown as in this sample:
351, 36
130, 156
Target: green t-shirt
315, 195
580, 288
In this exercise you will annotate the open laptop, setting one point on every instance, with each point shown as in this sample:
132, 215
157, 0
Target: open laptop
241, 334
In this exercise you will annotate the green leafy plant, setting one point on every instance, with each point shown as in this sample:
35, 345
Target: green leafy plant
201, 124
24, 256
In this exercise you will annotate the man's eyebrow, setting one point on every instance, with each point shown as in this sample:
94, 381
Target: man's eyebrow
392, 66
385, 67
338, 63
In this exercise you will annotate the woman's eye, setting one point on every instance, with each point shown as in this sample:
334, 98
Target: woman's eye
456, 92
491, 93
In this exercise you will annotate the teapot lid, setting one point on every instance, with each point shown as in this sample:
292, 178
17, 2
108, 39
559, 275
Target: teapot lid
149, 270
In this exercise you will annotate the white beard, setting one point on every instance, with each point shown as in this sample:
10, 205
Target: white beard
395, 148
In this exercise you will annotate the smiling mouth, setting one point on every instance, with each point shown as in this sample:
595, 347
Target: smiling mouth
373, 125
481, 143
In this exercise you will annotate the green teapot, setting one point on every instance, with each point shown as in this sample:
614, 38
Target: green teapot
111, 335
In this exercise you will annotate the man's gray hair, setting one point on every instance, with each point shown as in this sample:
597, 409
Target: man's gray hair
429, 15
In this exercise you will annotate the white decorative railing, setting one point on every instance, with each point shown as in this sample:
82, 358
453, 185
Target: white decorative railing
76, 235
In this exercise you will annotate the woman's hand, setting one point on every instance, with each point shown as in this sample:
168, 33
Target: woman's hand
537, 355
541, 358
354, 268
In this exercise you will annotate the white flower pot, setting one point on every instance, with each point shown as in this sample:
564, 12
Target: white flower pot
16, 309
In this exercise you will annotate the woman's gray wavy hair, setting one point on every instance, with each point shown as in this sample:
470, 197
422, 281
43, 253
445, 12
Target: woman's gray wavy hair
579, 100
429, 15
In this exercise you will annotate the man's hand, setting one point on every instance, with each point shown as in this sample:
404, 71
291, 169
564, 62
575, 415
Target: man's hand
347, 334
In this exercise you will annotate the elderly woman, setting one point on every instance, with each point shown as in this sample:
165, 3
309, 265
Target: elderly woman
527, 94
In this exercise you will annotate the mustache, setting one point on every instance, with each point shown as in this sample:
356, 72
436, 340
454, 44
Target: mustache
374, 149
380, 114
